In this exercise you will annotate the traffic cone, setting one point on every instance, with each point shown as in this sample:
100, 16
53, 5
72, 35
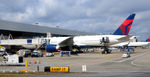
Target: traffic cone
34, 61
39, 61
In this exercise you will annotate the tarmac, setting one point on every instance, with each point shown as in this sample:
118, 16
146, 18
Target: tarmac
96, 64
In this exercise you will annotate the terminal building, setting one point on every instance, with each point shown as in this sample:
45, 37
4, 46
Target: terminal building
9, 29
21, 31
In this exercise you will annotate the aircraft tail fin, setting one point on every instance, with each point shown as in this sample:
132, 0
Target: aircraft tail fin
125, 26
148, 39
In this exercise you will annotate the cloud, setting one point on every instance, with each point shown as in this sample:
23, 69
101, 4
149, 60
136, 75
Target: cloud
97, 16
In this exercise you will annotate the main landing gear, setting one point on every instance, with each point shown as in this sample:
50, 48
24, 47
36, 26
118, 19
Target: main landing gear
106, 50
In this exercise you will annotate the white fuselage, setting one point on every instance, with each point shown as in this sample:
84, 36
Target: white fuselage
95, 40
92, 40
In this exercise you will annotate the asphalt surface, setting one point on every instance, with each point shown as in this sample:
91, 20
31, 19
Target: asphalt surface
98, 65
102, 74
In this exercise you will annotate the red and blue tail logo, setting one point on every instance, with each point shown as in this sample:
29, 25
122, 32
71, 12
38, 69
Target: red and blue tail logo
148, 39
125, 26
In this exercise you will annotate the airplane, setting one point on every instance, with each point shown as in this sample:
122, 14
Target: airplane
103, 41
140, 44
148, 39
53, 44
133, 43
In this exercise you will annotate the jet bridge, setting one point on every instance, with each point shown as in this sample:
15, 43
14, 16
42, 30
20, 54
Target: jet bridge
14, 45
19, 41
23, 41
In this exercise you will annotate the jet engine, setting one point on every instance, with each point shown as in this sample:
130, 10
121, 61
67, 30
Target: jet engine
51, 48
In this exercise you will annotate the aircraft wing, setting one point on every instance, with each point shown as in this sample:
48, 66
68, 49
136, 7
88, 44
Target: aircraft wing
120, 44
124, 39
66, 42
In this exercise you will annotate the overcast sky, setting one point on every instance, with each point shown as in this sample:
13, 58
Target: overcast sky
97, 16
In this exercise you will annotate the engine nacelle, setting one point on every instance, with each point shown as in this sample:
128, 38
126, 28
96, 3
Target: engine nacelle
51, 48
